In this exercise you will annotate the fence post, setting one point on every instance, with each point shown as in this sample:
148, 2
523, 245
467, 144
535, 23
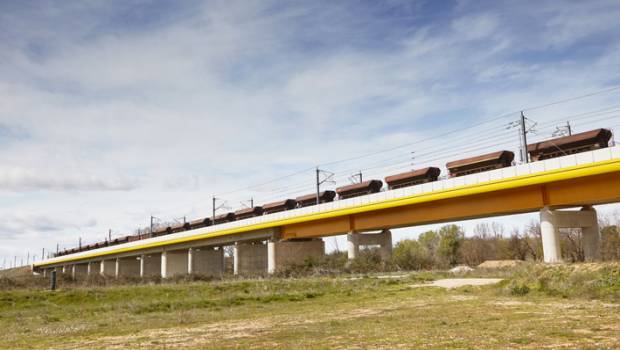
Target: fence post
53, 280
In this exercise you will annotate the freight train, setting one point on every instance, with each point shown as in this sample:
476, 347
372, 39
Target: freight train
582, 142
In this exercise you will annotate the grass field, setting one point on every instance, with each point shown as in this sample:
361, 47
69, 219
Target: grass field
575, 306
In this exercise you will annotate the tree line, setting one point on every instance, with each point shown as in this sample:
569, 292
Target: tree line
449, 246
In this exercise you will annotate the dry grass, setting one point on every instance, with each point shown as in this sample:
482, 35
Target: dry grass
320, 312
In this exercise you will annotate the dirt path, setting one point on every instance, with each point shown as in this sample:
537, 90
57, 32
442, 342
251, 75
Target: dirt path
450, 283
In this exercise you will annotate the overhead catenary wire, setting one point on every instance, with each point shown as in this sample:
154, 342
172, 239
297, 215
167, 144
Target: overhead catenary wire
503, 116
405, 163
298, 173
571, 99
500, 117
406, 160
403, 158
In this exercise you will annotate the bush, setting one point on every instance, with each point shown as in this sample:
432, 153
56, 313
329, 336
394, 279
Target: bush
591, 281
368, 260
518, 289
410, 255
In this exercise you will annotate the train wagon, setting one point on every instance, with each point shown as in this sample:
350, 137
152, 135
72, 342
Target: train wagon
359, 189
180, 227
223, 218
561, 146
138, 237
412, 178
160, 231
478, 164
119, 240
248, 212
310, 199
198, 223
276, 207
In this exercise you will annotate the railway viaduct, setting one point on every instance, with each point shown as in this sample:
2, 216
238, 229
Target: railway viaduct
564, 191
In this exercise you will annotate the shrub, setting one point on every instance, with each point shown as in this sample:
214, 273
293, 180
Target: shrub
518, 289
410, 255
368, 260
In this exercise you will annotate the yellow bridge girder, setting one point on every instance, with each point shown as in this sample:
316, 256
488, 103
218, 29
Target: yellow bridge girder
589, 190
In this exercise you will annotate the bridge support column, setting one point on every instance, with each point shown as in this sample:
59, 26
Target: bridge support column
206, 261
190, 261
282, 253
383, 239
150, 265
552, 220
142, 258
173, 262
107, 268
591, 235
250, 258
550, 234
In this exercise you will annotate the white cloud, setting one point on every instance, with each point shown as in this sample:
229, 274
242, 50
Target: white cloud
476, 27
19, 179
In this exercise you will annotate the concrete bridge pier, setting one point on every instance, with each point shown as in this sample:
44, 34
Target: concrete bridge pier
282, 253
383, 239
551, 221
173, 262
249, 258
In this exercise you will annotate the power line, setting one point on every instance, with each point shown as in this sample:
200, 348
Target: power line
570, 99
406, 158
444, 152
484, 122
582, 116
502, 116
266, 182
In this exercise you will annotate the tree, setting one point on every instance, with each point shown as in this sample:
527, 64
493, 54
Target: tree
610, 243
572, 245
517, 246
533, 240
450, 237
430, 241
473, 251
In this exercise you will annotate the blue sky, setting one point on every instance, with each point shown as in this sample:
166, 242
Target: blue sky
116, 110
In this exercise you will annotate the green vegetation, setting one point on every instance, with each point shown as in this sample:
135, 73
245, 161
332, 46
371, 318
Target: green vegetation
591, 281
564, 306
450, 246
